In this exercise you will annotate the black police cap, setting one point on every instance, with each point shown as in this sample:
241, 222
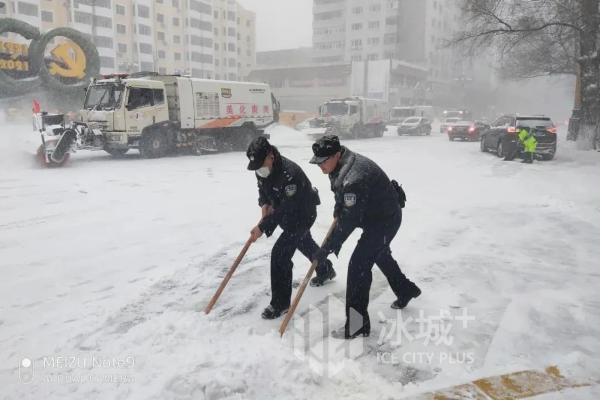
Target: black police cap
257, 152
324, 148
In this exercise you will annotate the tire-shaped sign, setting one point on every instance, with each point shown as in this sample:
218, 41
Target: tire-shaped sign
85, 66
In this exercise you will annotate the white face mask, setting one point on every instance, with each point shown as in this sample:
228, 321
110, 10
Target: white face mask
263, 172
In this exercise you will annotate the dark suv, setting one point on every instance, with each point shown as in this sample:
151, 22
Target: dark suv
503, 135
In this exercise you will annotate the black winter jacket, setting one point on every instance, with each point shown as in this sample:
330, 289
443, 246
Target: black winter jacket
289, 191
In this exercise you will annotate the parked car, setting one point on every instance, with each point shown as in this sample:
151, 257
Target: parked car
466, 130
447, 123
415, 126
503, 135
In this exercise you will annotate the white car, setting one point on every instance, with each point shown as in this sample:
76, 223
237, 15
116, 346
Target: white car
448, 123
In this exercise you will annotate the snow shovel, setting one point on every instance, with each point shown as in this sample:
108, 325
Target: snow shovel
309, 274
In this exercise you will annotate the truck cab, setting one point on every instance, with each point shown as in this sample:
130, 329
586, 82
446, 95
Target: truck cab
356, 117
122, 108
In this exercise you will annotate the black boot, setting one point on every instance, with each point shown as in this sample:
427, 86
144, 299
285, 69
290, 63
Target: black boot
272, 313
410, 292
324, 277
342, 333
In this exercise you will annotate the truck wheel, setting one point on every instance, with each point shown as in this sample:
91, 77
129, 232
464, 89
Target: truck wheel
116, 152
154, 145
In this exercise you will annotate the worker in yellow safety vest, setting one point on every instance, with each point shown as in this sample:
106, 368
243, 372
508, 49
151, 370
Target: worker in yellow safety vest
529, 141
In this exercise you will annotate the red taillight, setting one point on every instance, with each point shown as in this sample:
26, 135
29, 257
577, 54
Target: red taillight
552, 130
512, 129
472, 129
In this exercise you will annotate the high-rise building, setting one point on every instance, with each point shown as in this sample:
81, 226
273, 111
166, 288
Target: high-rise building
213, 39
355, 30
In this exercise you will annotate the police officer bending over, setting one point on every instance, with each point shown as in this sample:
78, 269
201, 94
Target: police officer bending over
288, 200
364, 198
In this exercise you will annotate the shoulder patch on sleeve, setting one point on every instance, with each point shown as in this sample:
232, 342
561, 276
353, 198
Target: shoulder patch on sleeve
349, 199
291, 190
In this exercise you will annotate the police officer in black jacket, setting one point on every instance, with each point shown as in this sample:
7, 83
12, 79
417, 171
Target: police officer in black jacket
364, 198
288, 200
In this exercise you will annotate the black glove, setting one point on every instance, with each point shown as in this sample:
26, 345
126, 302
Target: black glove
320, 256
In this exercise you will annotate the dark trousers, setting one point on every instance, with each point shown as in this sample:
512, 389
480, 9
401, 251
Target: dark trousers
373, 248
281, 261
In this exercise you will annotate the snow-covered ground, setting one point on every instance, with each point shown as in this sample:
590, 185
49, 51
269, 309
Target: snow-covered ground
116, 259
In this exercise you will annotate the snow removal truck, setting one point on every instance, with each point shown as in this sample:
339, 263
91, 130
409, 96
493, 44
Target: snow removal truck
161, 114
352, 117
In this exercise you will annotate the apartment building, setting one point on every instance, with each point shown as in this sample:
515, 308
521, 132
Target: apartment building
213, 39
235, 40
355, 30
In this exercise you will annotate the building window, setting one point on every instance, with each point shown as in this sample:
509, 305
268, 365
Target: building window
177, 56
248, 24
144, 30
47, 16
328, 15
83, 18
392, 4
27, 9
232, 62
201, 41
145, 48
202, 58
373, 57
122, 48
375, 8
239, 37
162, 71
238, 21
162, 54
175, 21
102, 22
202, 25
391, 21
374, 25
103, 42
389, 55
175, 3
231, 47
107, 62
143, 11
357, 43
160, 36
373, 41
232, 77
357, 27
176, 39
216, 15
356, 58
147, 66
121, 29
217, 47
231, 15
201, 7
159, 1
277, 83
433, 22
390, 38
120, 10
160, 18
248, 39
249, 53
217, 62
357, 10
231, 32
